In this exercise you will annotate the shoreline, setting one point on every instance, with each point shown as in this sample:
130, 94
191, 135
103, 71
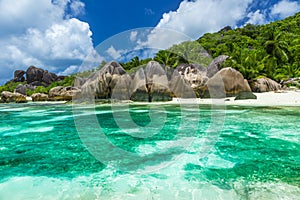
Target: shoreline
269, 99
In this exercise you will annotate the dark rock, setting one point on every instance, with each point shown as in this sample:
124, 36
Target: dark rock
60, 78
21, 89
29, 87
38, 83
216, 65
245, 95
8, 97
264, 85
49, 77
34, 74
19, 76
225, 29
225, 83
39, 97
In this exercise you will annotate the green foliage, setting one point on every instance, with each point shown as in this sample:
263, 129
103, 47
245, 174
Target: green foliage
10, 86
135, 63
190, 52
271, 50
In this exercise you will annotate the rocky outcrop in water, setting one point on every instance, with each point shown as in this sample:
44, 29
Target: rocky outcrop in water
8, 97
265, 85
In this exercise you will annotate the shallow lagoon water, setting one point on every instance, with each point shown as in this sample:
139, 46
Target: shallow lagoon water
256, 154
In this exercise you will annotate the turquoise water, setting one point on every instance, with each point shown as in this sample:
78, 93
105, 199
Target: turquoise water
169, 152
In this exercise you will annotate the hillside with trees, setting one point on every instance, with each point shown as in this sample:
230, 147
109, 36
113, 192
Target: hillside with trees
271, 50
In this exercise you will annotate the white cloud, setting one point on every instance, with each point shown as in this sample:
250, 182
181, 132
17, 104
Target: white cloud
133, 36
115, 54
42, 34
77, 7
194, 18
256, 18
285, 8
70, 70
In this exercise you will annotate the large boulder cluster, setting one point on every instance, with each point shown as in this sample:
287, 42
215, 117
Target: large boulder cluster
112, 82
36, 77
150, 83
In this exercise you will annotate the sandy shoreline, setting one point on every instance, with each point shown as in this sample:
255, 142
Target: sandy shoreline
286, 98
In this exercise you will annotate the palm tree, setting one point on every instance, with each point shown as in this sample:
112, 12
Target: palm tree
277, 47
167, 58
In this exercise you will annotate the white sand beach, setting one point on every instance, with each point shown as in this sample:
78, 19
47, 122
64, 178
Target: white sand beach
285, 98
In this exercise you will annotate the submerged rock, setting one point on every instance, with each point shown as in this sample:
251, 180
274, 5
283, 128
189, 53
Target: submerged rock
8, 97
265, 85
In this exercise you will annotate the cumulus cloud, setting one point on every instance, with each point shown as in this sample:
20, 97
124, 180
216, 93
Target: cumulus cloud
115, 54
42, 34
133, 36
256, 17
285, 8
77, 7
194, 18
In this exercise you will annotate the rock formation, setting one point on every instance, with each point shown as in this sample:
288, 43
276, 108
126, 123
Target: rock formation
151, 84
36, 77
245, 95
60, 93
21, 89
19, 76
226, 82
39, 97
194, 75
8, 97
100, 84
215, 65
265, 85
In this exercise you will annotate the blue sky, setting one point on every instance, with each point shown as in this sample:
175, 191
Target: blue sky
65, 36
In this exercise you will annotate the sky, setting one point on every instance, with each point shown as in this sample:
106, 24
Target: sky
66, 36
